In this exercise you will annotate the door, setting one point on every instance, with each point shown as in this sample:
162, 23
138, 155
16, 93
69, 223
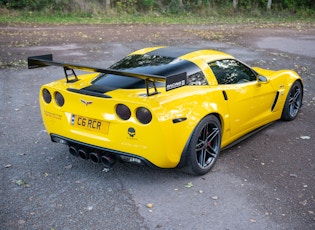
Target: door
249, 101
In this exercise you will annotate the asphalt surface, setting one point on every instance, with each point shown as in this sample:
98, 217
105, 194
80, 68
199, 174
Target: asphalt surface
264, 182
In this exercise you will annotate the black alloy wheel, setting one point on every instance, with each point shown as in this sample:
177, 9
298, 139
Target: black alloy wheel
293, 102
204, 146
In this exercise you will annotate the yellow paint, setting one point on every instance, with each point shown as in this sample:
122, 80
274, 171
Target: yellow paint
162, 142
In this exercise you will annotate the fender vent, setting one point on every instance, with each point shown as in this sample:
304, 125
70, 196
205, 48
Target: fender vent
225, 95
275, 101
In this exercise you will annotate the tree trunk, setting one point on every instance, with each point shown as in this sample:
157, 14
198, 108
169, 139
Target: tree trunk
107, 5
180, 4
269, 4
235, 4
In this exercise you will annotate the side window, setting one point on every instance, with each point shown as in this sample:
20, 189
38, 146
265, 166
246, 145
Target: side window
231, 72
197, 79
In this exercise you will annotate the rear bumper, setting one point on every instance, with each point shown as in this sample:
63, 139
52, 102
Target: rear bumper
92, 149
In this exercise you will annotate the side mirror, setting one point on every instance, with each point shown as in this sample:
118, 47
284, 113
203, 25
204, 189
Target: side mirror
262, 80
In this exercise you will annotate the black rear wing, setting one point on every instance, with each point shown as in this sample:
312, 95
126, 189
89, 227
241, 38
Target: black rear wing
172, 82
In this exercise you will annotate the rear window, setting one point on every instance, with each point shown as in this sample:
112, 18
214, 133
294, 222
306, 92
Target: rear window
153, 65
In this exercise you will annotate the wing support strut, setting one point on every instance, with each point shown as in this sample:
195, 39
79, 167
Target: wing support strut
72, 73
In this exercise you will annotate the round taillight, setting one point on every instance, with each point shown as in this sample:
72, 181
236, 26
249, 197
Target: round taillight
123, 111
46, 95
59, 99
143, 115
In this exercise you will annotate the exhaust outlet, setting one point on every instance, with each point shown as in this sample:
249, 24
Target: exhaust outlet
83, 154
73, 151
95, 157
108, 161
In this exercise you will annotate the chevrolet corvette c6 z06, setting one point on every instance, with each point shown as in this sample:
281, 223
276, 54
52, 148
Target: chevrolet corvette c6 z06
164, 106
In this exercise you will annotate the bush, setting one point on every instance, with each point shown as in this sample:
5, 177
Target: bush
198, 7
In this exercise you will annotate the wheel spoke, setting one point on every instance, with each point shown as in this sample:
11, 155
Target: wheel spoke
206, 147
294, 102
212, 135
202, 158
297, 94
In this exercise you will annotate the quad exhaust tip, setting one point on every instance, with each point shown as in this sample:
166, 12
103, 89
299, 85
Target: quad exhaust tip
107, 160
73, 151
95, 157
84, 155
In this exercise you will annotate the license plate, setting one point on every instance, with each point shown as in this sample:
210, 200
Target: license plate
90, 124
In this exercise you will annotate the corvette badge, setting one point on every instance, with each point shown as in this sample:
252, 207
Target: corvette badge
86, 102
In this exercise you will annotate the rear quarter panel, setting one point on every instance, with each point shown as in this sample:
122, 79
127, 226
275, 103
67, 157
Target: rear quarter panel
162, 141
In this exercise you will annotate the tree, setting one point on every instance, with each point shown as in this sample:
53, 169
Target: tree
235, 4
107, 5
180, 4
269, 4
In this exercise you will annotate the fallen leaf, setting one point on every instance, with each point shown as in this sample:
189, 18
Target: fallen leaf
68, 166
106, 170
149, 205
304, 202
189, 185
20, 182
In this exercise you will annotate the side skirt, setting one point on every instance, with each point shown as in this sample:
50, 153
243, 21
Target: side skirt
246, 136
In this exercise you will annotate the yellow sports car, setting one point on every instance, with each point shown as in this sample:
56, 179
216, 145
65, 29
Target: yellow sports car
164, 106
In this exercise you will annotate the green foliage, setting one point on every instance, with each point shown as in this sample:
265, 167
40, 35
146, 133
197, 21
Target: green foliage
176, 7
26, 4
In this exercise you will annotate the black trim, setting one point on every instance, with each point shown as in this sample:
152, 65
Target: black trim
275, 101
177, 120
173, 52
47, 60
67, 74
246, 136
70, 142
89, 93
225, 95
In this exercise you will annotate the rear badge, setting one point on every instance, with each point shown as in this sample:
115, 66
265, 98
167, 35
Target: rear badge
86, 102
131, 132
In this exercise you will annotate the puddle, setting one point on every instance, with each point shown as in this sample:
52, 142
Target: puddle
56, 48
304, 45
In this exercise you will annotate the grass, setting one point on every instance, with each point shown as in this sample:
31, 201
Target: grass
29, 17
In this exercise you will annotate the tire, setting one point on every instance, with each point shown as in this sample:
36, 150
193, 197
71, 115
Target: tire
293, 102
204, 146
